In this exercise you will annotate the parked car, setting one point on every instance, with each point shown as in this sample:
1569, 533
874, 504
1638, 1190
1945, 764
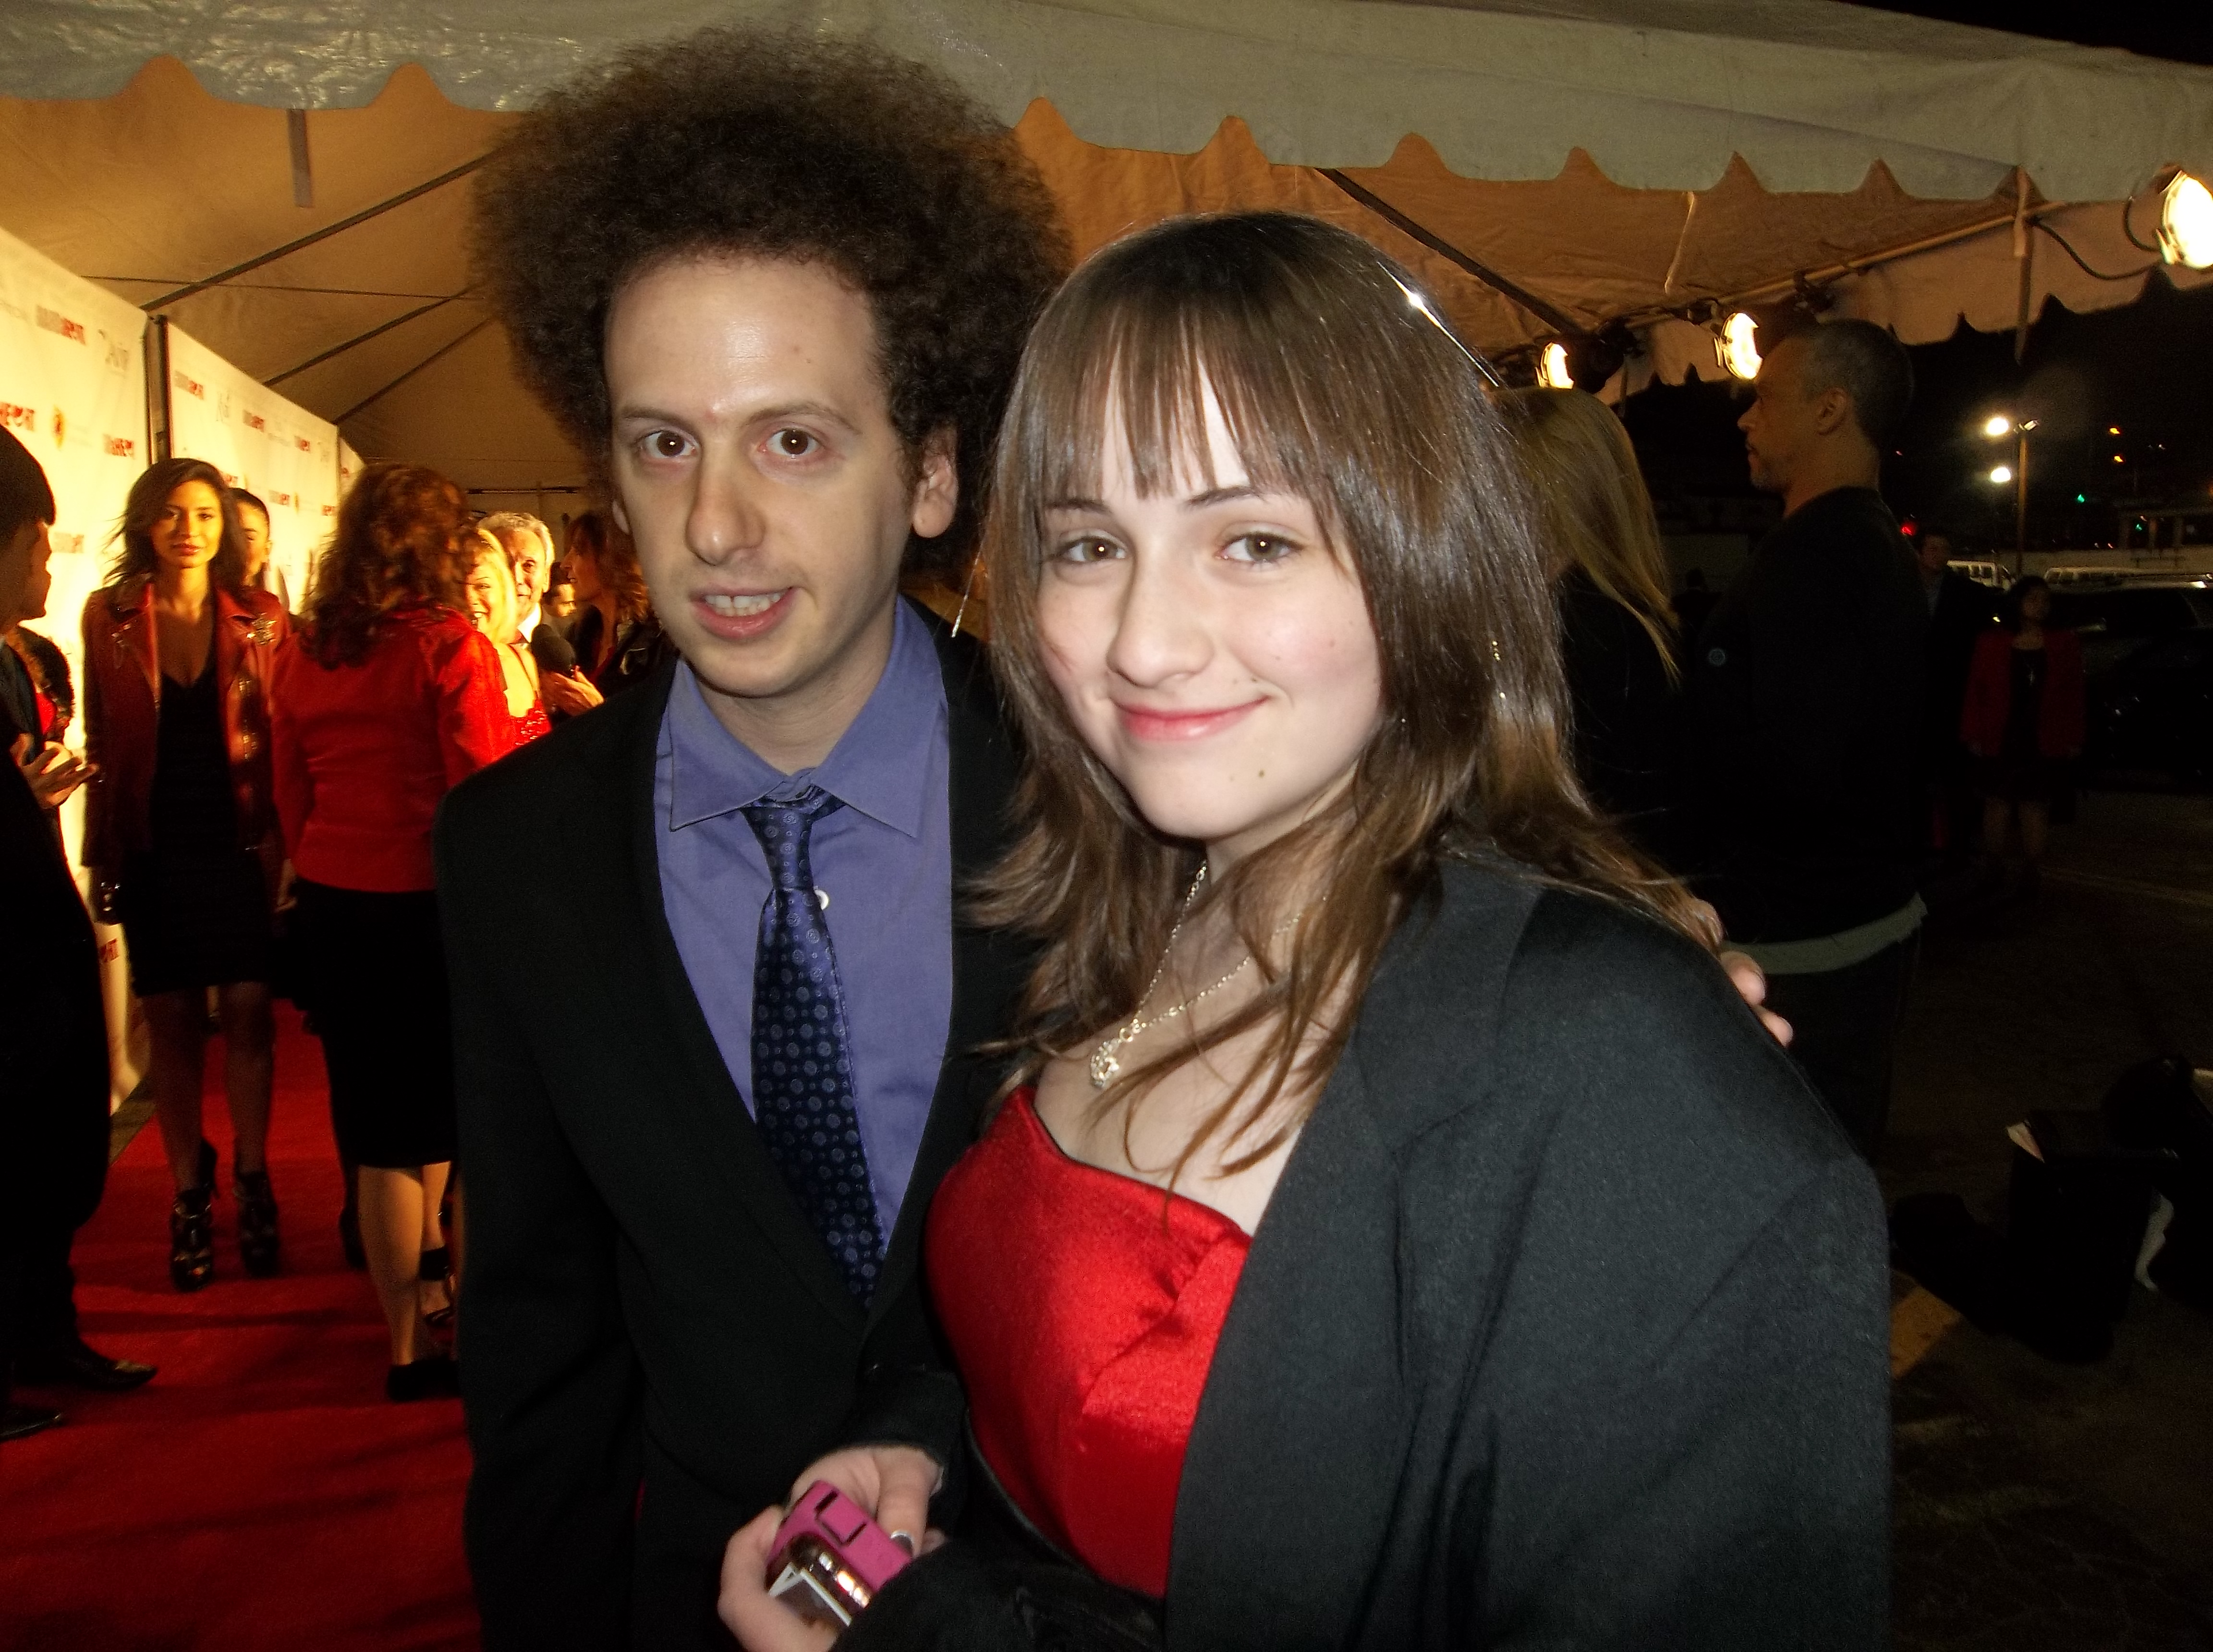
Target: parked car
1983, 573
2118, 617
2148, 654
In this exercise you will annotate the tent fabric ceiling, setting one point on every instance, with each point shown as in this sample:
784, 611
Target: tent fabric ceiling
1661, 93
166, 182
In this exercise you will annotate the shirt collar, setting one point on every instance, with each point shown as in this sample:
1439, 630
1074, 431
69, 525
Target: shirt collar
880, 765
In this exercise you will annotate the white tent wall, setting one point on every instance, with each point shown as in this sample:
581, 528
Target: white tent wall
274, 449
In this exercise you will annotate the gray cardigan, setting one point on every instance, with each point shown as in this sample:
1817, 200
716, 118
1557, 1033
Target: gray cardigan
1566, 1326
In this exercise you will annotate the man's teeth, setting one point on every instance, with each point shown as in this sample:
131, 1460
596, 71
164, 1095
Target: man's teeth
742, 608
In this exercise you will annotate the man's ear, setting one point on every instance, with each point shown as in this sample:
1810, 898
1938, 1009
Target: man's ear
616, 509
937, 486
1832, 410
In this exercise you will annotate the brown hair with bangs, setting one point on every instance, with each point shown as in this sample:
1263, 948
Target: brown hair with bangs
1335, 384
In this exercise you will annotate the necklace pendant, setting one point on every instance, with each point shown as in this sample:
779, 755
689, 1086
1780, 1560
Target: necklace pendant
1105, 1068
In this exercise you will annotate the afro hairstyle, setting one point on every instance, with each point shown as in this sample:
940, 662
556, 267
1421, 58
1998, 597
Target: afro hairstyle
778, 145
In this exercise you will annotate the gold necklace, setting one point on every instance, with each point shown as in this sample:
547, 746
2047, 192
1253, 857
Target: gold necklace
1106, 1060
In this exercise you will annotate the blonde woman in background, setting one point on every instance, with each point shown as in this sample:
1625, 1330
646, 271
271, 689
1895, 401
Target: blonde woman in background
1595, 526
492, 596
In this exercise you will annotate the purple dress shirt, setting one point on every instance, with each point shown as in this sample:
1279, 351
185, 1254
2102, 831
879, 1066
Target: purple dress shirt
885, 860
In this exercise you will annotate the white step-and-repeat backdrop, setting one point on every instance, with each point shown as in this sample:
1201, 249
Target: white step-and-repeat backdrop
260, 442
73, 390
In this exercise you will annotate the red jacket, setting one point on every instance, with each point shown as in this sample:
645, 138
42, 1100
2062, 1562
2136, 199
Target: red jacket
364, 752
123, 709
2060, 720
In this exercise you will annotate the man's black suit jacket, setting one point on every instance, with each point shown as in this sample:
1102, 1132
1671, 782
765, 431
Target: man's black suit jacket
646, 1303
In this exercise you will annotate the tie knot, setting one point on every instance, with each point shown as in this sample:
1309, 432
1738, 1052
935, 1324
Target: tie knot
782, 825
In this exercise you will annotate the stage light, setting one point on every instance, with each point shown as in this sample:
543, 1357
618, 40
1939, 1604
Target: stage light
2185, 223
2001, 475
1739, 345
2113, 429
2118, 459
1553, 369
1997, 424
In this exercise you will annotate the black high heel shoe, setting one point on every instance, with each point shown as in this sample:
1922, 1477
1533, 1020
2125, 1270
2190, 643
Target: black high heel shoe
435, 1378
191, 1238
257, 1239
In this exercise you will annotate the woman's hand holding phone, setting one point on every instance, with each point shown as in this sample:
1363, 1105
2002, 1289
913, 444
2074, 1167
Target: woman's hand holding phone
893, 1484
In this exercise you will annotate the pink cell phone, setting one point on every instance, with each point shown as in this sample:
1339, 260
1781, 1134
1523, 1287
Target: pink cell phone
829, 1558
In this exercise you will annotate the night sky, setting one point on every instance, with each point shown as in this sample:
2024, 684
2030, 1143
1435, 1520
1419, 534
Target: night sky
2147, 368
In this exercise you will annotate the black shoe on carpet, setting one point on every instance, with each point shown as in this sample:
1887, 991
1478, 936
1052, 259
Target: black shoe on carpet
258, 1246
20, 1422
436, 1378
80, 1367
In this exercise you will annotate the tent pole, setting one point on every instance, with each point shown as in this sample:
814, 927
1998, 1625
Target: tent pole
377, 332
1498, 283
305, 241
435, 357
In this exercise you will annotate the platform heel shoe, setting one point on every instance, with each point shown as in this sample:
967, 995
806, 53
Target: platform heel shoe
192, 1238
258, 1243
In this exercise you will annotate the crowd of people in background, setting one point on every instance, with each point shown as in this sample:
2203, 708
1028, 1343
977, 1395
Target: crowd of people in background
259, 784
1237, 463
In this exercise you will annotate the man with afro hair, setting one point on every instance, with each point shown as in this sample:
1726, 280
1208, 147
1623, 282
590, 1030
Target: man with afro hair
776, 288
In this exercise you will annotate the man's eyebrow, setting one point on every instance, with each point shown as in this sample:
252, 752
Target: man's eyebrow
819, 410
1097, 507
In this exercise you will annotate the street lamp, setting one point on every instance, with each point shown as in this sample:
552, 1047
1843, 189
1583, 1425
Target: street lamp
1996, 427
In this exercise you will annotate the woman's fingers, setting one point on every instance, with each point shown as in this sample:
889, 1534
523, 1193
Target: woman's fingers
760, 1622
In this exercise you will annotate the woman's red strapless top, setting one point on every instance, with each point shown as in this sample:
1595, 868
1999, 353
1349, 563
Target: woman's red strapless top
1083, 1314
533, 724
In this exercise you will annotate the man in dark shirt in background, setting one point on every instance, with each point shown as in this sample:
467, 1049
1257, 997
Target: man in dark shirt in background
1806, 696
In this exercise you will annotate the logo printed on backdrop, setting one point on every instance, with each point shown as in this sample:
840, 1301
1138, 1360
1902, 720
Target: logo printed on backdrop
223, 405
61, 427
18, 418
304, 445
254, 421
121, 447
190, 387
118, 353
55, 321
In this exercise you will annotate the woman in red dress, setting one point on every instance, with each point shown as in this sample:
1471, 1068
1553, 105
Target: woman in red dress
1397, 1233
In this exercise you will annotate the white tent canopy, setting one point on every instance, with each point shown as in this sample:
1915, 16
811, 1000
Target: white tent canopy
1617, 159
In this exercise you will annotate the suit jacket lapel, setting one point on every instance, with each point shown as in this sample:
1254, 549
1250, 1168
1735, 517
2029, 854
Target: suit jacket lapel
989, 966
1296, 1448
716, 1119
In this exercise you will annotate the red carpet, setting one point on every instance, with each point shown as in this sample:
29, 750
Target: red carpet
259, 1495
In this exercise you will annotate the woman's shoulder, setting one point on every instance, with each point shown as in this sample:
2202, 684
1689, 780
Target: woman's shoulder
1595, 1021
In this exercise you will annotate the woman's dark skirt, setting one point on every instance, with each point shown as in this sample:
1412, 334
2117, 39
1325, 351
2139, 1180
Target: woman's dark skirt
191, 922
373, 978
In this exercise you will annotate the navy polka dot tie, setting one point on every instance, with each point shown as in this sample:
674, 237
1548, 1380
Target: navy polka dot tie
802, 1059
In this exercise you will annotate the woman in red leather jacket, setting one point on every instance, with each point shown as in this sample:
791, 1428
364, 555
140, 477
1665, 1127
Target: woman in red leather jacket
179, 832
2023, 721
386, 699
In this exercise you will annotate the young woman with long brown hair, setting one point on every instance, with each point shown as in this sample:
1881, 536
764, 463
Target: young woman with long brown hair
1402, 1236
181, 837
